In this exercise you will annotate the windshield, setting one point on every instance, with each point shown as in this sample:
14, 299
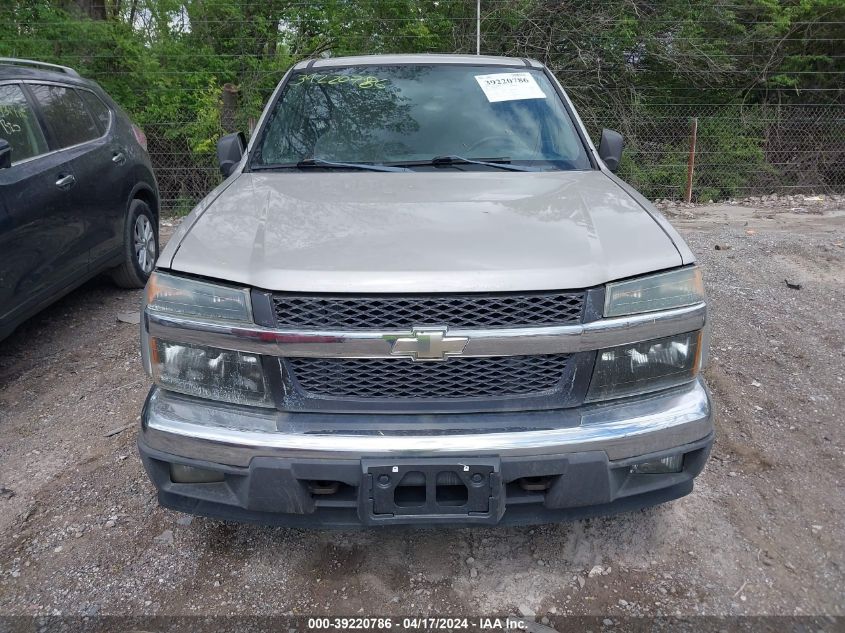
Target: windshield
409, 115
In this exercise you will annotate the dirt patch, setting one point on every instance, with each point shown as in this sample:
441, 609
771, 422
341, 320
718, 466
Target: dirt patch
762, 533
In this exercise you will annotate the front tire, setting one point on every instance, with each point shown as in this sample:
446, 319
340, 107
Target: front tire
140, 247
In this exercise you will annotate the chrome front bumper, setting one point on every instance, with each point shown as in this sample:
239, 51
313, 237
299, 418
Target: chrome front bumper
232, 435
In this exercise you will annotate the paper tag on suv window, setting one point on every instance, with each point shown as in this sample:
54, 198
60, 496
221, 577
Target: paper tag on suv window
509, 87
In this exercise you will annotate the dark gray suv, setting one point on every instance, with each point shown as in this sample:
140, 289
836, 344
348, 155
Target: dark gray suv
77, 191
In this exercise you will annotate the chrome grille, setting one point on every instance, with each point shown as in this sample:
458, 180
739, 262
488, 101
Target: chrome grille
388, 312
456, 378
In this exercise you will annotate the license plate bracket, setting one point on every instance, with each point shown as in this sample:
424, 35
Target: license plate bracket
437, 490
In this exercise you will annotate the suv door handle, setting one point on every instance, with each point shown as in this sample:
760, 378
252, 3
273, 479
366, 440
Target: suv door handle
118, 158
65, 182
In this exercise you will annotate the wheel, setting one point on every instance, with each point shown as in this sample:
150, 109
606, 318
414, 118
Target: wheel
140, 247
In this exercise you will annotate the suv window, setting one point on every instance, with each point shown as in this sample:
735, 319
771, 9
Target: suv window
18, 125
97, 108
65, 114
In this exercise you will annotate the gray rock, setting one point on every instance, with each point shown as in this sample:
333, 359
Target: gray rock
133, 318
165, 537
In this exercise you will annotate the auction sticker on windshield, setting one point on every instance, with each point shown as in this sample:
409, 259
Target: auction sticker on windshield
509, 87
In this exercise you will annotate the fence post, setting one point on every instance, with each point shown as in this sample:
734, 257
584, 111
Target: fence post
478, 27
691, 162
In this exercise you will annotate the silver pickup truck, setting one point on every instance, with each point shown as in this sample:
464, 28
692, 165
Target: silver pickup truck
422, 296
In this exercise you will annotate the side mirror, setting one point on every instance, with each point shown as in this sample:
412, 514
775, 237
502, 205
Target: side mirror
5, 154
610, 148
230, 150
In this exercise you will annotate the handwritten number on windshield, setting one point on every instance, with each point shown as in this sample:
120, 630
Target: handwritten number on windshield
364, 82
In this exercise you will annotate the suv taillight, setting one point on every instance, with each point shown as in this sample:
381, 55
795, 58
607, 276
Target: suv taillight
140, 136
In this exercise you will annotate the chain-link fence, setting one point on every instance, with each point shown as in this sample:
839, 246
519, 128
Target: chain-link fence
739, 151
183, 176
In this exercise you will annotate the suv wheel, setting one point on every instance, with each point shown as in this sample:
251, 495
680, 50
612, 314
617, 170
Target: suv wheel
140, 247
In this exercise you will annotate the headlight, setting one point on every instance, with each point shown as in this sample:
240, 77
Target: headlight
209, 372
187, 297
206, 372
648, 366
674, 289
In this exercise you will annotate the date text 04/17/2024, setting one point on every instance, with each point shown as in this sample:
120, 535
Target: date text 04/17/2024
416, 624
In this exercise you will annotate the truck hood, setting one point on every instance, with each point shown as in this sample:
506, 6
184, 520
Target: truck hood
446, 231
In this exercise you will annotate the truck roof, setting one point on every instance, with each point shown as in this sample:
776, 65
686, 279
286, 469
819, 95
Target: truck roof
418, 59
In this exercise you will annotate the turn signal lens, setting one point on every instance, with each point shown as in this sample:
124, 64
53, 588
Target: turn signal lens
671, 464
188, 297
184, 474
675, 289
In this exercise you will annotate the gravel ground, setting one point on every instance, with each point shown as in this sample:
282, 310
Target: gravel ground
81, 531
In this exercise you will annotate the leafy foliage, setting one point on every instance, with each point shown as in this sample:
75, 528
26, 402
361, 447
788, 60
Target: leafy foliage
188, 70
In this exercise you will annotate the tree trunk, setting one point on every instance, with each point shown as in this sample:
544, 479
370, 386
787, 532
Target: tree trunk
94, 9
229, 108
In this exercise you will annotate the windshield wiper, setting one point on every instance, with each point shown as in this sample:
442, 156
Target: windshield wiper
498, 163
319, 162
328, 164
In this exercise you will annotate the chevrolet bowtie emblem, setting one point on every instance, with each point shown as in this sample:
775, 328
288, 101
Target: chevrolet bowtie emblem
429, 343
